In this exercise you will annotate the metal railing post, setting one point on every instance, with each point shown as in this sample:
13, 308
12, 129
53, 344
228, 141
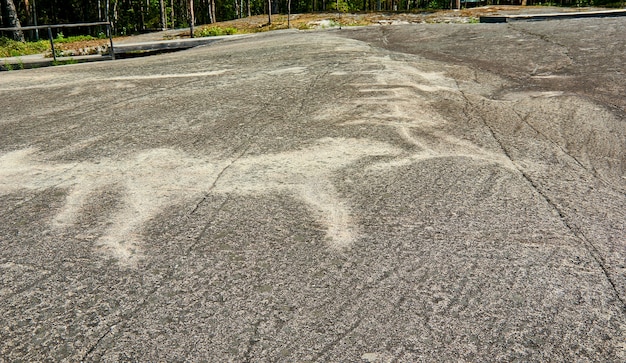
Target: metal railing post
54, 54
109, 28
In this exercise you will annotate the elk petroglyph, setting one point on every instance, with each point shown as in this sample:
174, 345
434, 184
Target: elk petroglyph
155, 179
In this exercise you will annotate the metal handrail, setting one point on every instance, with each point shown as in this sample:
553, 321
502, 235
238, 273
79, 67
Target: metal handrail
56, 26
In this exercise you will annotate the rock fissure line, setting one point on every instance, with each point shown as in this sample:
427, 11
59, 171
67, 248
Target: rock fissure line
253, 340
592, 171
218, 177
589, 246
549, 41
336, 341
95, 345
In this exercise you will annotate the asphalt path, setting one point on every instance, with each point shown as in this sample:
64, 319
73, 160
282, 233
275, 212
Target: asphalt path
398, 193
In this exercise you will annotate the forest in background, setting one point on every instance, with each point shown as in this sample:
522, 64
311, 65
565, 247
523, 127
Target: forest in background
135, 16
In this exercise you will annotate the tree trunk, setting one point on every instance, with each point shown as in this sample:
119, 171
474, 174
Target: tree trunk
192, 17
248, 5
269, 12
14, 21
115, 12
163, 15
172, 17
106, 16
27, 8
142, 11
209, 12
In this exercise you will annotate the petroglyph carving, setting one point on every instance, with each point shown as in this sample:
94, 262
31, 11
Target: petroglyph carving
399, 99
155, 179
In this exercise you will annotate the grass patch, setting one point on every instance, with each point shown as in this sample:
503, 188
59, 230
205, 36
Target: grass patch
213, 31
12, 48
303, 26
75, 38
64, 62
12, 66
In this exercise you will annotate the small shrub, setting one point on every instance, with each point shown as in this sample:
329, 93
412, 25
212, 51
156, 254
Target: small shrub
12, 48
344, 7
304, 26
436, 4
64, 62
75, 38
215, 31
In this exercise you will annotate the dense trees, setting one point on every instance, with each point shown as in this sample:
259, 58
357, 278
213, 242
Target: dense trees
130, 16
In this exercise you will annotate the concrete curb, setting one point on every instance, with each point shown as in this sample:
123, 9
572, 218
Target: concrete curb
165, 45
39, 61
555, 16
120, 49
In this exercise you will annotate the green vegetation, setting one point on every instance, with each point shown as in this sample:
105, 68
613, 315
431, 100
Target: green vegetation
64, 62
76, 38
212, 31
10, 67
12, 48
344, 6
437, 5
